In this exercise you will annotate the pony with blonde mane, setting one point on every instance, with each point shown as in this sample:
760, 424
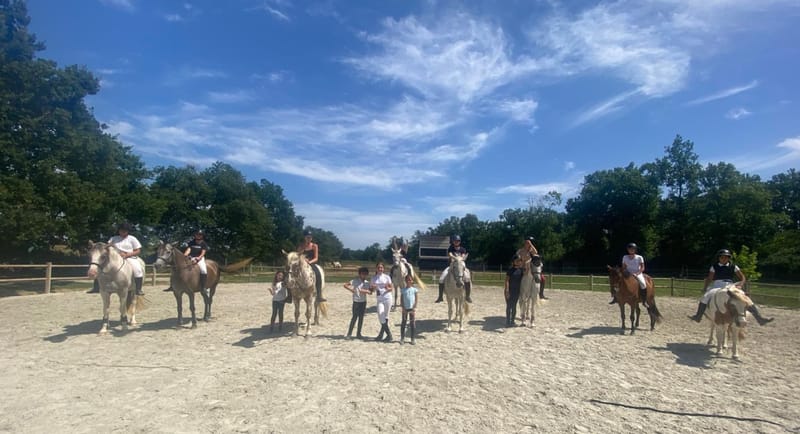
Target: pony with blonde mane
401, 269
626, 290
529, 292
114, 275
455, 291
301, 280
727, 310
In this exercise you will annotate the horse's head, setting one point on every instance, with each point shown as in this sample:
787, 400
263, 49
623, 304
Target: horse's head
737, 304
397, 255
614, 277
98, 258
164, 255
293, 261
457, 267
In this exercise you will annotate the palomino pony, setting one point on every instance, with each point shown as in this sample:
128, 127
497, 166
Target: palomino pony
626, 289
401, 269
301, 282
113, 274
455, 292
728, 306
529, 289
185, 278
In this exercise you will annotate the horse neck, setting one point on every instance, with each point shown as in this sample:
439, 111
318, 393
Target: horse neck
306, 275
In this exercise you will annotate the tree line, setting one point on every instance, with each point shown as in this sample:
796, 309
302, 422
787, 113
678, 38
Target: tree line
65, 180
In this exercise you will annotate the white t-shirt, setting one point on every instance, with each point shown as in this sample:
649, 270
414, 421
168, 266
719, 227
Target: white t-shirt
127, 244
632, 264
280, 292
358, 285
381, 280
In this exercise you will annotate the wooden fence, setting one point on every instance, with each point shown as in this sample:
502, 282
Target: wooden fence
776, 294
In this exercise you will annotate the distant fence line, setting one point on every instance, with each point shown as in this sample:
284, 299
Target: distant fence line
780, 294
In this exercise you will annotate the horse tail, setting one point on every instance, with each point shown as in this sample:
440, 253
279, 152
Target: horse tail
323, 308
236, 266
419, 282
466, 308
653, 310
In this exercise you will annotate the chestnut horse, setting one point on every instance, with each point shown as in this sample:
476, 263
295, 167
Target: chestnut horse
626, 289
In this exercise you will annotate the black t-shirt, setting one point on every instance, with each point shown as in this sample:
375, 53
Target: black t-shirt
514, 279
460, 250
197, 247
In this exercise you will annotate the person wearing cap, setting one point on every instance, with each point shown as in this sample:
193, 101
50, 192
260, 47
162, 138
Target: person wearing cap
310, 250
456, 249
129, 248
721, 275
528, 251
633, 264
196, 249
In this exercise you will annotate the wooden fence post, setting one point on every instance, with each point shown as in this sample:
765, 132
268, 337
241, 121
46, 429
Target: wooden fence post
672, 287
591, 282
153, 278
48, 275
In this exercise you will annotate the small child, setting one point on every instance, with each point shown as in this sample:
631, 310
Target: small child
408, 298
278, 291
360, 288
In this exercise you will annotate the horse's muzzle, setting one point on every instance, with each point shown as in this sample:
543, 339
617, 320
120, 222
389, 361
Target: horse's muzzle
740, 320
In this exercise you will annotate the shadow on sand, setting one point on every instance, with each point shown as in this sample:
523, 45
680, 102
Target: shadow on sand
594, 331
694, 355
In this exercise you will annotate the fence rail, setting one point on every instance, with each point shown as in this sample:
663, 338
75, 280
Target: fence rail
787, 295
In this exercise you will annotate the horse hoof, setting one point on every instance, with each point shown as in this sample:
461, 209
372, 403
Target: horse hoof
194, 325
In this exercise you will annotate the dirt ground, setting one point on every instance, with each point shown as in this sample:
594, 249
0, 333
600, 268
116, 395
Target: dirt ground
572, 372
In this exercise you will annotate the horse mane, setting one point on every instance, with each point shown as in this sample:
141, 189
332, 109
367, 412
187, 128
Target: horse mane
237, 266
738, 294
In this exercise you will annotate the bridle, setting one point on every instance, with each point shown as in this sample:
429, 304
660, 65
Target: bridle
105, 260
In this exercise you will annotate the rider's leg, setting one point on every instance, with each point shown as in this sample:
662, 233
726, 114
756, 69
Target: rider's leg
318, 281
468, 289
202, 283
441, 285
541, 289
137, 281
95, 288
701, 309
761, 320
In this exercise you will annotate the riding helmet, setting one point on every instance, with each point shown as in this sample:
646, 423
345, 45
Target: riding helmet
455, 238
200, 232
631, 245
307, 233
724, 252
531, 239
124, 226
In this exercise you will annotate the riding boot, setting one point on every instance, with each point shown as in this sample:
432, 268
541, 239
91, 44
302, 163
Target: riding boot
441, 293
388, 332
95, 288
541, 291
643, 296
757, 315
168, 289
202, 284
138, 282
318, 284
380, 335
701, 309
468, 289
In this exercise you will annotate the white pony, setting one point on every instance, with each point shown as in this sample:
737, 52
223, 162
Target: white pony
301, 283
455, 291
529, 289
113, 274
401, 269
727, 310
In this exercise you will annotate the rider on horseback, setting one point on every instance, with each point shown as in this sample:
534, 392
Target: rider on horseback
197, 249
527, 252
129, 247
457, 249
720, 275
633, 264
310, 250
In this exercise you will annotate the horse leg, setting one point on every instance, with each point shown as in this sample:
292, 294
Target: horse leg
460, 312
449, 313
106, 305
191, 308
308, 316
635, 312
316, 312
734, 331
533, 312
179, 302
720, 338
123, 311
131, 308
622, 314
711, 334
296, 315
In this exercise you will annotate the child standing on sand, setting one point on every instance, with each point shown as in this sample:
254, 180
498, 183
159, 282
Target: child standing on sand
360, 288
408, 298
278, 291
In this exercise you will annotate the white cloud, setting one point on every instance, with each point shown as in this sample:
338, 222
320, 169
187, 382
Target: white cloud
605, 108
569, 165
230, 97
127, 5
738, 113
792, 144
520, 110
537, 189
724, 93
272, 8
120, 128
789, 156
173, 18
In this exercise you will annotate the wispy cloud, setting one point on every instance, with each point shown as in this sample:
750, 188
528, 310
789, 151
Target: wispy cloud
605, 108
724, 93
230, 97
273, 7
126, 5
184, 74
788, 156
738, 113
537, 189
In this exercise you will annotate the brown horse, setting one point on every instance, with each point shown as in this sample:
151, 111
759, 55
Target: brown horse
626, 290
185, 278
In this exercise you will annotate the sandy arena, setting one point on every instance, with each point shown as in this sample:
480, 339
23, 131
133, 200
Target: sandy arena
573, 372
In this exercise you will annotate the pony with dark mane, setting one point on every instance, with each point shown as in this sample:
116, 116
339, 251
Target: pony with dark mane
626, 289
727, 311
113, 275
301, 282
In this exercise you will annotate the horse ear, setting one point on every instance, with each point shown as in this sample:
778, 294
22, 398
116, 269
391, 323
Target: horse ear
284, 252
465, 256
609, 267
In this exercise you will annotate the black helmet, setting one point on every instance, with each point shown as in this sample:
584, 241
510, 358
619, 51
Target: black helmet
530, 238
724, 252
124, 226
307, 233
200, 232
631, 245
455, 238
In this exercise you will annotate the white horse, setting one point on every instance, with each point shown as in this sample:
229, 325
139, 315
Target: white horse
336, 264
113, 274
727, 310
401, 269
300, 281
455, 291
529, 289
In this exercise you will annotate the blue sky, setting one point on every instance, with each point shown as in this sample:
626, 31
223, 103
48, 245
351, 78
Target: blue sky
379, 118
